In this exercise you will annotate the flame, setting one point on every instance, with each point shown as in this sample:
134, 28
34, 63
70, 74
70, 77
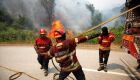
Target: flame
56, 24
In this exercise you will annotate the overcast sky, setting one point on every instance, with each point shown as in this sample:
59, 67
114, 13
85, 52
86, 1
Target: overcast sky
106, 4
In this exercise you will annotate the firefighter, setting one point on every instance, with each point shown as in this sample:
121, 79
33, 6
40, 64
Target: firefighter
65, 54
105, 40
42, 45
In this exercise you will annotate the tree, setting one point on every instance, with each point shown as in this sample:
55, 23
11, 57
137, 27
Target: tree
49, 7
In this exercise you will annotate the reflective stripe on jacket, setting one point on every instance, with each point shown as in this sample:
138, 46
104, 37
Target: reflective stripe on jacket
105, 41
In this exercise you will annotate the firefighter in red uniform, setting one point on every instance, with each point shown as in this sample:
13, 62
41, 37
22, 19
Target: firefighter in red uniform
105, 40
42, 45
65, 54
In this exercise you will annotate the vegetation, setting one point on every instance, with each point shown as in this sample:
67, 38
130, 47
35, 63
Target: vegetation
11, 34
117, 30
18, 27
15, 30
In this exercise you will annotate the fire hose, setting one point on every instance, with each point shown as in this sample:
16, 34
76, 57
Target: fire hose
17, 74
56, 74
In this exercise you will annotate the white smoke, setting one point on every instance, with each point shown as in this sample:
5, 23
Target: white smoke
73, 14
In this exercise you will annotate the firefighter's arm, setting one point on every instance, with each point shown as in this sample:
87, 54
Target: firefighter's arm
36, 49
93, 36
50, 53
85, 38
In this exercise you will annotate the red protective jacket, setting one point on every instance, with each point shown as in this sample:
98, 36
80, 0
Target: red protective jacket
105, 41
65, 54
42, 45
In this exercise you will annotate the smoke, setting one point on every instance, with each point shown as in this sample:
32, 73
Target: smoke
113, 12
31, 9
73, 14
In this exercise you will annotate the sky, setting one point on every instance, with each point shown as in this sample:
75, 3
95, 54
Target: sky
106, 4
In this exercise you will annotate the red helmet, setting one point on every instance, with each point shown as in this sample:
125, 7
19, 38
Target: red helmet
42, 31
58, 33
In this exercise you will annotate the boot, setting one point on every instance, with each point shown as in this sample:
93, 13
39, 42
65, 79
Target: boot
101, 67
41, 67
46, 73
105, 68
